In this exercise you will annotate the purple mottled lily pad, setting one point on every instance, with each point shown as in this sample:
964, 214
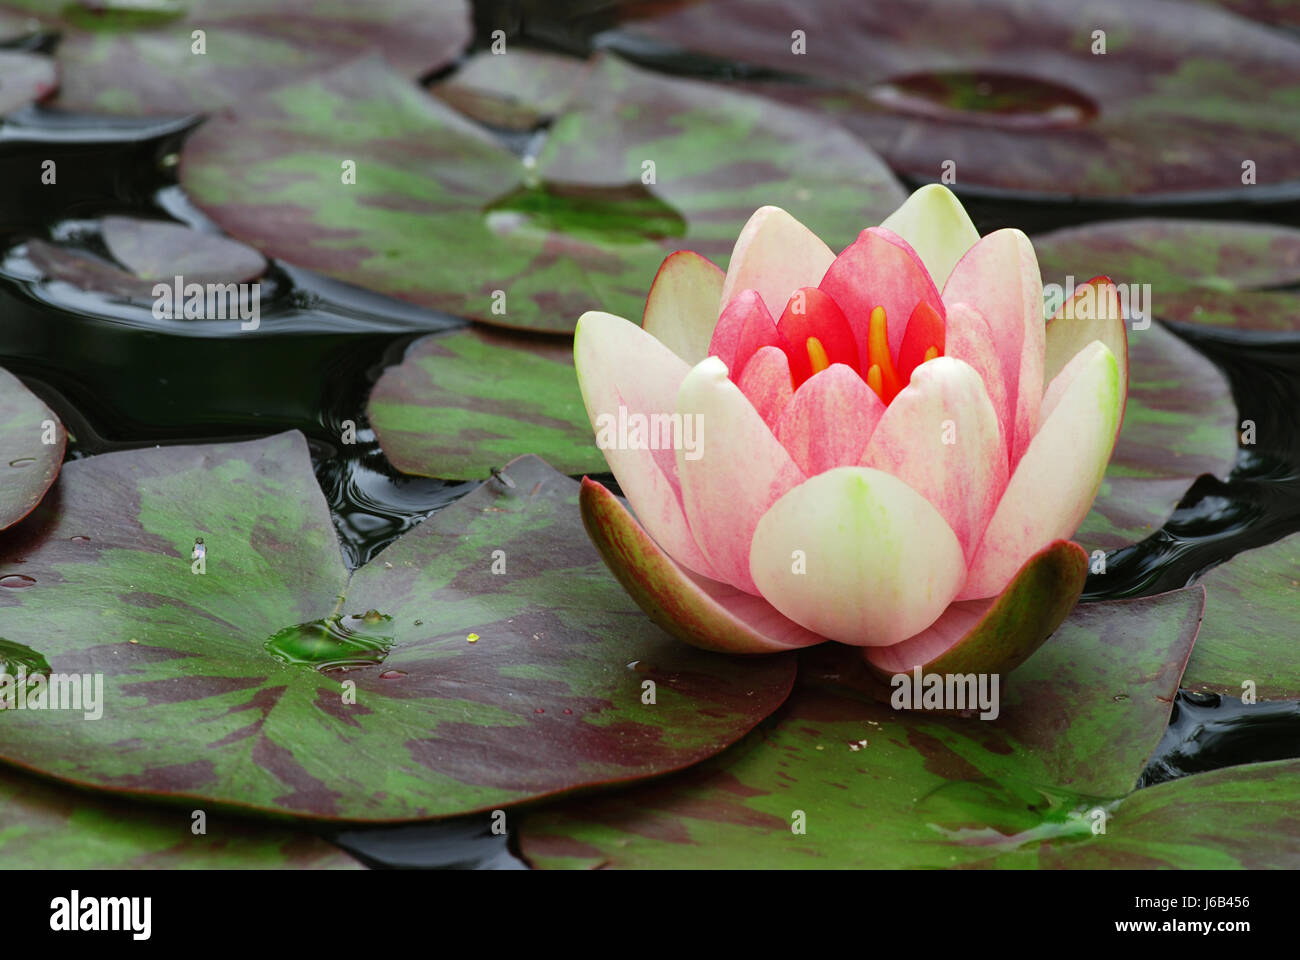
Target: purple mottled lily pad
515, 91
25, 78
1173, 255
462, 402
85, 271
120, 57
1248, 641
156, 250
840, 780
1019, 96
1237, 310
46, 826
485, 658
441, 214
31, 449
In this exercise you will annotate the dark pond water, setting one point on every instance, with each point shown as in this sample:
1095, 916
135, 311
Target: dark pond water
119, 378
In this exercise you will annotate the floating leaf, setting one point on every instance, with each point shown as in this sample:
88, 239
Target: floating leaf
1018, 95
85, 271
444, 216
496, 647
44, 826
463, 402
1245, 312
28, 465
119, 58
155, 250
25, 78
1173, 255
516, 92
874, 787
1249, 632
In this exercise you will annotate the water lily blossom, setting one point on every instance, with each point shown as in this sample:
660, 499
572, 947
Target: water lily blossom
892, 446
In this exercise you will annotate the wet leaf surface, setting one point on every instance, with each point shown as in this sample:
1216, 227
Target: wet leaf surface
473, 688
636, 167
28, 465
882, 788
25, 78
1249, 632
46, 826
121, 59
463, 402
1016, 97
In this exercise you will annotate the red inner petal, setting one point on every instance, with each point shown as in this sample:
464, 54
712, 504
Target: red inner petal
924, 330
812, 313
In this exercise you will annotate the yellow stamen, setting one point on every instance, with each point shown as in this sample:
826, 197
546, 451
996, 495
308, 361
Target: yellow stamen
878, 355
873, 381
817, 355
931, 354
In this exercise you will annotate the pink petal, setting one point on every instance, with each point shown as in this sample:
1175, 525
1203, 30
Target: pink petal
738, 472
745, 327
620, 365
766, 382
701, 612
829, 420
879, 269
775, 254
941, 437
999, 277
968, 338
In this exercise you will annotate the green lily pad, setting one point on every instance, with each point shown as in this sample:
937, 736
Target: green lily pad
463, 402
28, 465
45, 826
488, 649
1249, 632
1173, 255
1180, 422
120, 58
1019, 96
883, 788
444, 216
1230, 819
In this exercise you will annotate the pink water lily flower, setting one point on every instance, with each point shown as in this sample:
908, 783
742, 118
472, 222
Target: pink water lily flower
887, 448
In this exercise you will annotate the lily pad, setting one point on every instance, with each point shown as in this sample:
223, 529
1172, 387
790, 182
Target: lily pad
1249, 632
45, 826
462, 402
1173, 255
25, 78
1180, 422
28, 465
1243, 312
874, 787
1019, 96
441, 214
119, 57
155, 250
517, 91
492, 657
85, 271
